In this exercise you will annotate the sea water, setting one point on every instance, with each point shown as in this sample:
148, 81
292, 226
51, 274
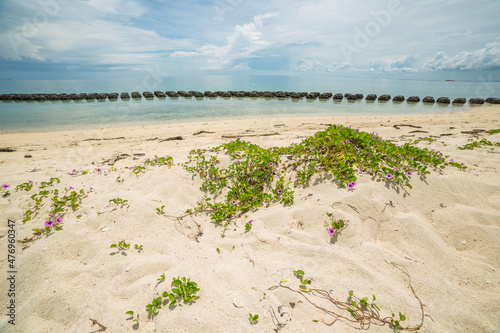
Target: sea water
65, 115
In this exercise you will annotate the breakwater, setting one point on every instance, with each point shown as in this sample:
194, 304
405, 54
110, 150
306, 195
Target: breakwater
241, 94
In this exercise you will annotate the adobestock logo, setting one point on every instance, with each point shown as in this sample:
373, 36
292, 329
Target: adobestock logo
31, 27
363, 37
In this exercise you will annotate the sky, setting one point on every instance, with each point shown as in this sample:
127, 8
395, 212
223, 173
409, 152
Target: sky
405, 39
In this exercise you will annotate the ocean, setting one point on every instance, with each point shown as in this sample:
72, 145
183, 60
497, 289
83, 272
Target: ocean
67, 115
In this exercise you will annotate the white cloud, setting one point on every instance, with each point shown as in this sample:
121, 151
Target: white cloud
243, 42
83, 33
483, 59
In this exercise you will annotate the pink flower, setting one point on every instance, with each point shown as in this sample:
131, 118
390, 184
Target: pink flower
233, 202
389, 176
271, 164
351, 185
279, 191
331, 231
249, 222
59, 220
5, 186
49, 223
409, 173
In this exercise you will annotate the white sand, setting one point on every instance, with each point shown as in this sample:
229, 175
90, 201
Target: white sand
446, 232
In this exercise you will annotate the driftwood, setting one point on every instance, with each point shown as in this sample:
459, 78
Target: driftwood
397, 126
246, 135
474, 131
418, 131
202, 132
6, 150
101, 139
115, 158
95, 322
172, 138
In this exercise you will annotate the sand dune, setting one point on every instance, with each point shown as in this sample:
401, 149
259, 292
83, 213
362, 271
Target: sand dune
445, 231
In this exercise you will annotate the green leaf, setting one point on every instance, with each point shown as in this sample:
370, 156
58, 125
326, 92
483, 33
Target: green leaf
113, 246
374, 298
130, 313
375, 305
354, 304
402, 317
350, 293
315, 321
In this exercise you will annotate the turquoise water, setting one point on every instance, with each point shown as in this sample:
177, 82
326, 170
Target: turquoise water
30, 116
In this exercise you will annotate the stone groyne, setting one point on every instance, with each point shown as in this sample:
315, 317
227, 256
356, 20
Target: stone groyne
241, 94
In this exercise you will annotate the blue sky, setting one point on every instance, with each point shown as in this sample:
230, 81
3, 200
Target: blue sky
422, 39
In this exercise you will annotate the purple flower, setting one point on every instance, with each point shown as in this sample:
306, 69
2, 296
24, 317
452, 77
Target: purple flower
271, 164
341, 142
49, 223
249, 222
237, 161
451, 160
462, 164
74, 171
312, 148
250, 164
351, 184
52, 215
331, 231
59, 220
389, 176
373, 138
347, 141
5, 186
349, 127
319, 169
29, 181
258, 146
411, 158
409, 173
98, 170
279, 191
396, 168
233, 202
357, 129
262, 202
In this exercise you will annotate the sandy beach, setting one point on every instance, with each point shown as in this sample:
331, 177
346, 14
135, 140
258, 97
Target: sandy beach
445, 232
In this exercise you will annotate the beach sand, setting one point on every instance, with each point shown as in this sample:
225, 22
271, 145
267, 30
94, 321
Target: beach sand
445, 232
